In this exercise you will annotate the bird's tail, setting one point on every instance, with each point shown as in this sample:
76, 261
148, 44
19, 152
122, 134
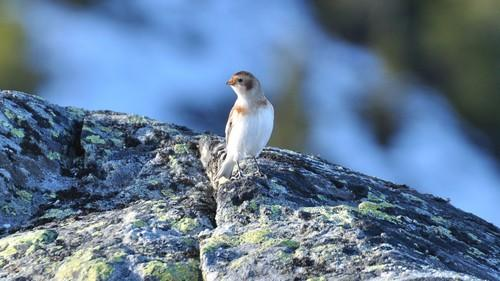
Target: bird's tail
226, 169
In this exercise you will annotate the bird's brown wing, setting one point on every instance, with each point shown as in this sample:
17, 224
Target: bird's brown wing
229, 125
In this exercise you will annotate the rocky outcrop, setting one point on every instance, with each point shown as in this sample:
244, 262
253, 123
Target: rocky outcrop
98, 195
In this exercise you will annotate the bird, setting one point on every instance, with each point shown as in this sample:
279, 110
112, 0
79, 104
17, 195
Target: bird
250, 123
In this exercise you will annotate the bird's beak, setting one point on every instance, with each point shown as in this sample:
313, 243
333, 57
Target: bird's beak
231, 81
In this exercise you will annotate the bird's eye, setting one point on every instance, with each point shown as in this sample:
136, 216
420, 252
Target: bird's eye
240, 80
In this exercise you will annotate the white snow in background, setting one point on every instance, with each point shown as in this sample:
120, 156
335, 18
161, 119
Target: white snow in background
181, 52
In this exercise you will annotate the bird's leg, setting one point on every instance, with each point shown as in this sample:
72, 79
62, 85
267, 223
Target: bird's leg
239, 174
258, 167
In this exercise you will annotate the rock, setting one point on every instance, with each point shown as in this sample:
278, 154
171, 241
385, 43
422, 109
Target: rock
99, 195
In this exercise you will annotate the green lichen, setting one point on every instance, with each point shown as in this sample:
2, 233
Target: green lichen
277, 187
316, 279
9, 114
413, 198
139, 224
54, 156
291, 244
118, 256
186, 225
19, 133
58, 214
239, 262
341, 214
376, 210
24, 195
255, 236
217, 241
82, 265
95, 139
275, 211
181, 148
179, 271
25, 243
439, 220
55, 134
443, 232
252, 206
322, 197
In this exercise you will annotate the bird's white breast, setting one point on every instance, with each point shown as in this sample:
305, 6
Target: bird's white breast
250, 133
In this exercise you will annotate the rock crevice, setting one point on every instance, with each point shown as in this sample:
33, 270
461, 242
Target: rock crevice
99, 195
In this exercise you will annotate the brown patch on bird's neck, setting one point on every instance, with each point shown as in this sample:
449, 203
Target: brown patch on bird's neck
241, 109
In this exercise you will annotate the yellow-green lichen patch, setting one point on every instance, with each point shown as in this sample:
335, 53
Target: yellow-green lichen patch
25, 243
179, 271
291, 244
181, 148
340, 215
24, 195
82, 265
19, 133
58, 213
213, 243
119, 256
376, 210
443, 232
95, 139
239, 262
316, 279
186, 225
255, 236
413, 198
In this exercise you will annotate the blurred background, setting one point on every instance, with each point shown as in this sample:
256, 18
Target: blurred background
403, 90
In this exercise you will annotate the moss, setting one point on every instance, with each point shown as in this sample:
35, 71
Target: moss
25, 243
19, 133
24, 195
179, 271
139, 224
54, 156
95, 139
83, 266
186, 225
376, 210
255, 236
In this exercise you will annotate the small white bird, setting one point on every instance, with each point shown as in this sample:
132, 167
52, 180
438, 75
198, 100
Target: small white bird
250, 123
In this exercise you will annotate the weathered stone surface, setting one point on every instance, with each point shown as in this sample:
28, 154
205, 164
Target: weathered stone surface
88, 195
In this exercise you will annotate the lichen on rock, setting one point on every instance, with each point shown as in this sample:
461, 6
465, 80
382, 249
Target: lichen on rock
99, 195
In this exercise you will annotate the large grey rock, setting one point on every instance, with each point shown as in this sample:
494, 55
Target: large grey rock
98, 195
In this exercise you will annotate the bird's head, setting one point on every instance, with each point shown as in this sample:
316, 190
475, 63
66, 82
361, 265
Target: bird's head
244, 84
